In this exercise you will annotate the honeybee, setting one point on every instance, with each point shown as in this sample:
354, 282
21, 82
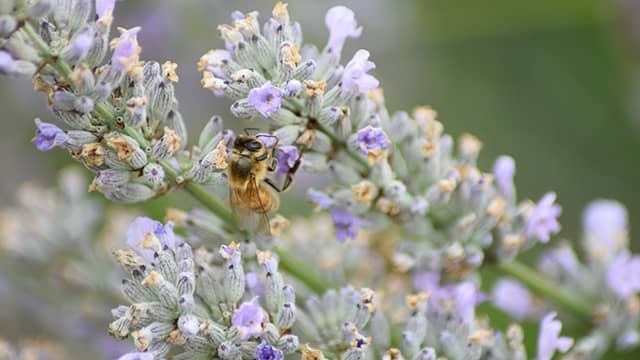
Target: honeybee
252, 193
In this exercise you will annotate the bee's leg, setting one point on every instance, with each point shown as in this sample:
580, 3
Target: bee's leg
270, 183
289, 179
274, 164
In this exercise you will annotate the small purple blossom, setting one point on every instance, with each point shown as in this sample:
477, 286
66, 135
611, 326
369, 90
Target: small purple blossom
346, 224
513, 298
145, 236
355, 77
48, 136
127, 50
137, 356
266, 352
503, 170
104, 8
320, 199
266, 99
269, 140
254, 284
292, 88
190, 327
7, 63
544, 220
249, 318
372, 138
231, 253
341, 22
287, 156
623, 275
465, 296
549, 339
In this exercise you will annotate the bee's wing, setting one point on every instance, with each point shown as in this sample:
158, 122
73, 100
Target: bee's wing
251, 218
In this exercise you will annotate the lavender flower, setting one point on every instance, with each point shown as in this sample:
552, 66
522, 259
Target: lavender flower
341, 22
513, 298
48, 136
346, 224
544, 220
104, 8
145, 236
426, 280
126, 50
371, 139
503, 170
81, 44
549, 339
266, 352
355, 77
249, 319
265, 99
287, 156
320, 199
623, 275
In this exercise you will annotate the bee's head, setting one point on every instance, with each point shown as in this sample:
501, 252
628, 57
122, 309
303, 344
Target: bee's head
248, 142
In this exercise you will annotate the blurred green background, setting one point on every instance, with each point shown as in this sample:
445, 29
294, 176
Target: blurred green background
553, 83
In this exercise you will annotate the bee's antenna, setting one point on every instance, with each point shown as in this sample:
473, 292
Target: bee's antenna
246, 130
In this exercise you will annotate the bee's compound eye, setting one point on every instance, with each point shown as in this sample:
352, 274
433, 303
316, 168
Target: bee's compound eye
254, 145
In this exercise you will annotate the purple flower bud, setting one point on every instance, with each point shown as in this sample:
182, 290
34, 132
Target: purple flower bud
249, 319
104, 8
287, 156
544, 220
513, 298
355, 77
467, 297
604, 223
503, 171
372, 138
322, 200
81, 44
126, 50
292, 88
342, 24
266, 99
623, 275
145, 236
191, 326
266, 352
48, 136
346, 224
549, 338
231, 253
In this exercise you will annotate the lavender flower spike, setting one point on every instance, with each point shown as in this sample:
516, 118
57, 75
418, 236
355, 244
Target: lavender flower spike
287, 157
126, 49
342, 24
48, 136
266, 99
549, 338
248, 318
355, 77
544, 219
623, 275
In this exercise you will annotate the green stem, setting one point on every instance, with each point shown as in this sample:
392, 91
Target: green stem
542, 285
301, 271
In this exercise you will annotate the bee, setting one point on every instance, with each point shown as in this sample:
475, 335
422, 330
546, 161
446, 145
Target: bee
252, 193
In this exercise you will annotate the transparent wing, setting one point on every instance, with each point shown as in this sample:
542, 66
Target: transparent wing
249, 212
